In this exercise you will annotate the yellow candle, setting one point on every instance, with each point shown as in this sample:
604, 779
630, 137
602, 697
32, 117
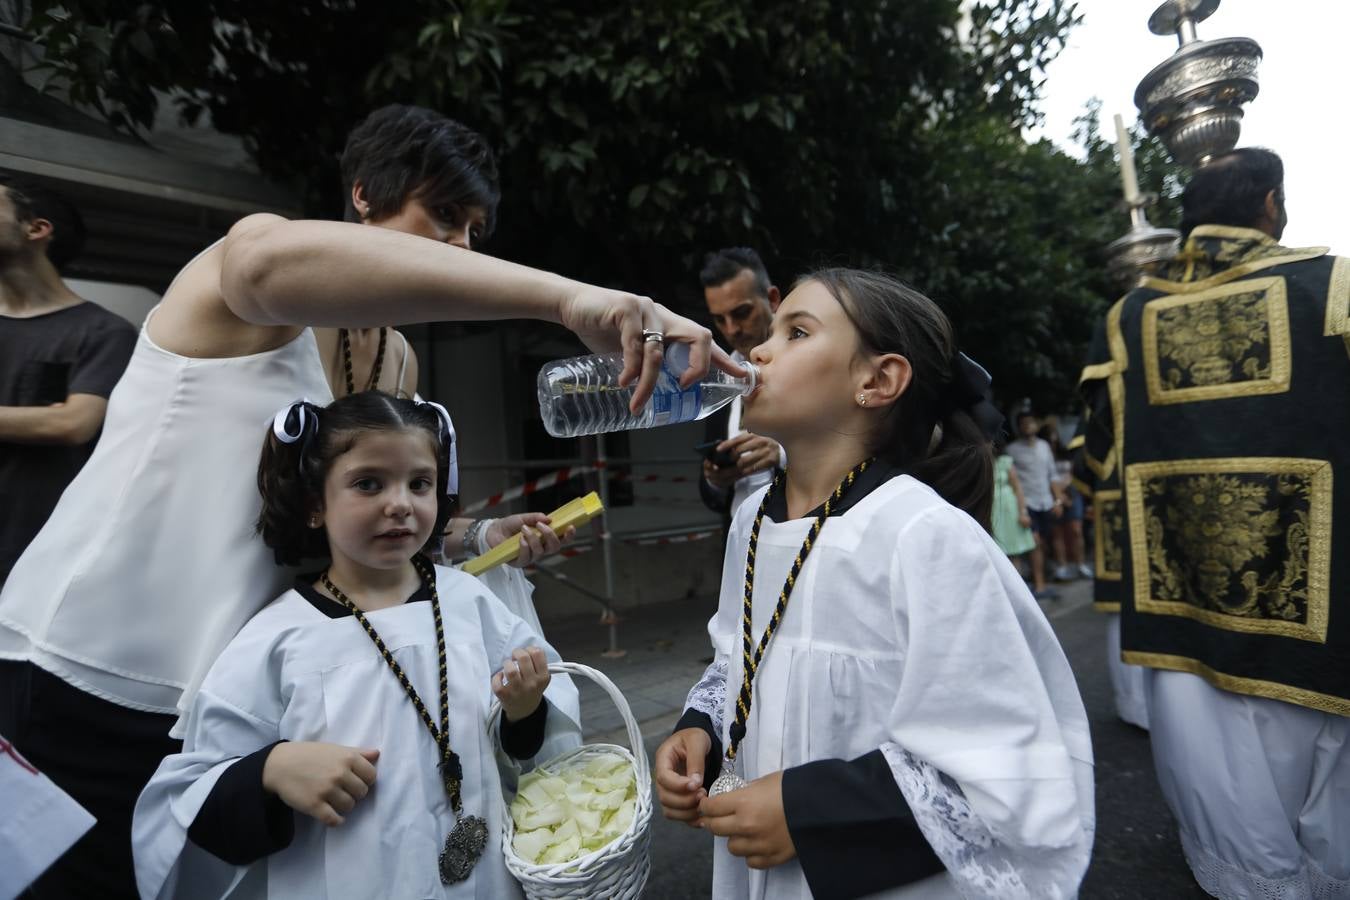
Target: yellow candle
576, 513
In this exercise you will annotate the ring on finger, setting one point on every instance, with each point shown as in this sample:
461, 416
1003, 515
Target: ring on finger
650, 336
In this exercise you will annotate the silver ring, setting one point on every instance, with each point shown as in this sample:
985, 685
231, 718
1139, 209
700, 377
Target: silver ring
652, 337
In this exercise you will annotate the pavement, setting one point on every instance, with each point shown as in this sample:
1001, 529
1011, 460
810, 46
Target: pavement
665, 650
1137, 855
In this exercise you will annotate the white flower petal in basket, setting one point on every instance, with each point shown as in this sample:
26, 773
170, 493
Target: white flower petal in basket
619, 869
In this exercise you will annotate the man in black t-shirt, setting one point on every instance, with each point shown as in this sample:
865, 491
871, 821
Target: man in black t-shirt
60, 357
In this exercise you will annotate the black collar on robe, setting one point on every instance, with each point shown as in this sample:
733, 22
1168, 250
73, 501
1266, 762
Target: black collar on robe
877, 474
304, 586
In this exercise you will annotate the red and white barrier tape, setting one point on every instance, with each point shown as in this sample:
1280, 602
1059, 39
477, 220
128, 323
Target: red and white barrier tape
553, 479
530, 487
649, 499
677, 538
573, 551
647, 479
564, 555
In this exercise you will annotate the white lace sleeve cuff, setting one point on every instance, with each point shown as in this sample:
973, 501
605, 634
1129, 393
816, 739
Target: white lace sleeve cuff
709, 696
980, 866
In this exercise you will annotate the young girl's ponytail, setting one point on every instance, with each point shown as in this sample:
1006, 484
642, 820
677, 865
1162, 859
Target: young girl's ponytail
940, 429
289, 478
961, 466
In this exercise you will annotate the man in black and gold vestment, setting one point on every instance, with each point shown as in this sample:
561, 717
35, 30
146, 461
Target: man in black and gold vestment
1217, 452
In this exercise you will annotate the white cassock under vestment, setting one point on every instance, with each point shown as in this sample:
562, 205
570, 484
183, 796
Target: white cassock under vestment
1260, 789
1127, 681
909, 632
293, 673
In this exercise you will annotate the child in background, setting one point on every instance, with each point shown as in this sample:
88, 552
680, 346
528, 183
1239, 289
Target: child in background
1038, 477
380, 665
897, 716
1010, 520
1068, 528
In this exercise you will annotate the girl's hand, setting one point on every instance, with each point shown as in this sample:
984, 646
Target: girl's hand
753, 822
537, 540
1024, 519
320, 780
679, 774
521, 682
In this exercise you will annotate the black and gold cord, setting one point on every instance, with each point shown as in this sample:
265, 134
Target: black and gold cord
451, 770
752, 653
344, 338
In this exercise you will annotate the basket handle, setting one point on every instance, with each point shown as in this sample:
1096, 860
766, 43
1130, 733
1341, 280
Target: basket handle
644, 776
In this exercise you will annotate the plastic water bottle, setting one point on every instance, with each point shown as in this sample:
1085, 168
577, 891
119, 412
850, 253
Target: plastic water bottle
582, 395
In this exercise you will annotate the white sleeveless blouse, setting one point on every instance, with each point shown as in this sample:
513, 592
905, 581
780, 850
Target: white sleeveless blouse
149, 564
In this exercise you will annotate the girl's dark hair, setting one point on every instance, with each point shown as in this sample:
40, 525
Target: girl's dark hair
401, 152
291, 476
926, 432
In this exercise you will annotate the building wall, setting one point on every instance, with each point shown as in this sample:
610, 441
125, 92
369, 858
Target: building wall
131, 302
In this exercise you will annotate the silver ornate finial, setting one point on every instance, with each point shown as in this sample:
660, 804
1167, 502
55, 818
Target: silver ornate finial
1179, 17
1193, 100
1143, 249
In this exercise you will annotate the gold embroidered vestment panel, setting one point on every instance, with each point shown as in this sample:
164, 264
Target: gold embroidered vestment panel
1216, 448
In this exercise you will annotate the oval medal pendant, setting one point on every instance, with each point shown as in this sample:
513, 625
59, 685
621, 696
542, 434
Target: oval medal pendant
727, 781
463, 848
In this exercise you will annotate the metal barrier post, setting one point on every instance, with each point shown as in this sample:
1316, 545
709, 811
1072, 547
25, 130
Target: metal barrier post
609, 618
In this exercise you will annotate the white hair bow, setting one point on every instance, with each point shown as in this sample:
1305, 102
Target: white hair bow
452, 470
282, 418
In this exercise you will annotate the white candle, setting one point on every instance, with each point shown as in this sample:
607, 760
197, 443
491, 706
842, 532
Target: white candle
1129, 181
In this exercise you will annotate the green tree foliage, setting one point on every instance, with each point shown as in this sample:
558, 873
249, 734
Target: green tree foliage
633, 138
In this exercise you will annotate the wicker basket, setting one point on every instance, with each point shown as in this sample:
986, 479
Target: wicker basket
620, 868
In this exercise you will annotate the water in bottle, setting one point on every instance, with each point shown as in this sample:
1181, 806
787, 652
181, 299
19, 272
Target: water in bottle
582, 395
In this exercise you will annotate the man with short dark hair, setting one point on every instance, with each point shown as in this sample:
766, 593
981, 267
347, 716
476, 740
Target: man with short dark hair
741, 301
1217, 448
60, 357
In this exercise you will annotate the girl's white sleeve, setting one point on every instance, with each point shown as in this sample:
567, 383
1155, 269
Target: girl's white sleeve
989, 741
168, 865
505, 631
219, 732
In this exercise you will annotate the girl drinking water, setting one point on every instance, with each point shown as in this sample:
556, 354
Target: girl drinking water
338, 746
888, 712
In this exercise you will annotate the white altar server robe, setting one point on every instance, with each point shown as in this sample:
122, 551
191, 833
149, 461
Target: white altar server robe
910, 631
294, 674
